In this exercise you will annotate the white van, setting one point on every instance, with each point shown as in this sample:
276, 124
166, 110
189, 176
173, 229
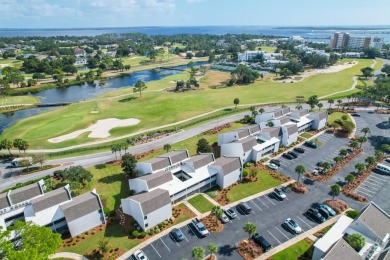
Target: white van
383, 168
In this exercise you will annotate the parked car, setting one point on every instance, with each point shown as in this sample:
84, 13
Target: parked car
272, 166
261, 241
276, 162
319, 164
224, 218
356, 114
327, 208
293, 226
176, 234
299, 149
230, 213
140, 255
293, 154
387, 159
279, 193
200, 227
244, 207
311, 144
288, 156
315, 172
324, 213
313, 213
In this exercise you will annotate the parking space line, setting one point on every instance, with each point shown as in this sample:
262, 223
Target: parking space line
256, 205
379, 178
282, 233
357, 190
304, 221
312, 220
155, 250
238, 217
371, 186
269, 200
375, 180
183, 234
273, 196
366, 189
274, 237
263, 202
372, 182
165, 245
192, 230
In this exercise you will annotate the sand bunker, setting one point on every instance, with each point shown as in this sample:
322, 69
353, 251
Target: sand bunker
101, 129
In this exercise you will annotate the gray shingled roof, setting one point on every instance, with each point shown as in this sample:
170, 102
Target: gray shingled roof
284, 119
255, 128
176, 156
50, 199
158, 163
242, 133
342, 250
248, 143
228, 164
273, 131
201, 160
156, 179
4, 201
285, 110
303, 112
322, 115
25, 193
291, 129
375, 219
80, 206
277, 113
151, 201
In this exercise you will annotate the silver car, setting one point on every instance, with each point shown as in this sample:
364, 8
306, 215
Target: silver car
224, 218
293, 226
230, 213
140, 255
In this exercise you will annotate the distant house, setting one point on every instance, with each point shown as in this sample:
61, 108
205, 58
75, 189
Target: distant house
81, 61
79, 52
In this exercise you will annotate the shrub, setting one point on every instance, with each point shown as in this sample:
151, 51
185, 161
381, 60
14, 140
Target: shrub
135, 233
244, 173
130, 231
143, 234
356, 241
352, 213
106, 211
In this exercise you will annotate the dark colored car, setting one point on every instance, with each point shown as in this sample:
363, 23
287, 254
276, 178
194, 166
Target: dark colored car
177, 235
356, 114
311, 144
299, 149
288, 156
327, 208
293, 154
276, 162
323, 213
244, 207
261, 241
319, 164
316, 215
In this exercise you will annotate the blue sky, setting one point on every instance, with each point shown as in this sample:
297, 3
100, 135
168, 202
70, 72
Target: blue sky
127, 13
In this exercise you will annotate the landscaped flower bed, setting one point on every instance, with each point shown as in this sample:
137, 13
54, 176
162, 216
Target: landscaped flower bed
217, 129
38, 169
382, 111
299, 187
335, 169
248, 249
139, 156
211, 225
276, 175
336, 204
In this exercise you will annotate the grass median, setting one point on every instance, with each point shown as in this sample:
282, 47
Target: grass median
201, 203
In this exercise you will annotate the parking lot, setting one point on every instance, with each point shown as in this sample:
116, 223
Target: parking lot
325, 153
373, 184
268, 213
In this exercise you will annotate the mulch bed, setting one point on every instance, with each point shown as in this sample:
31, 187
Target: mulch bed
209, 222
298, 187
336, 204
249, 250
38, 169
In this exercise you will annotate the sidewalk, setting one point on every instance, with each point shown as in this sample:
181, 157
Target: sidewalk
68, 255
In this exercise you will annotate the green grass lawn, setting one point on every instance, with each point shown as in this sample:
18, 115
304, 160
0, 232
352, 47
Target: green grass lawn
268, 49
338, 116
306, 135
200, 203
243, 190
159, 108
293, 252
110, 182
17, 100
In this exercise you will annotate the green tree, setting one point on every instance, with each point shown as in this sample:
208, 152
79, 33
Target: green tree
299, 107
360, 167
139, 87
339, 102
300, 169
313, 101
326, 166
349, 178
18, 143
335, 190
77, 174
261, 110
128, 165
386, 69
362, 140
203, 146
24, 145
385, 147
370, 160
366, 130
35, 242
253, 111
343, 152
285, 73
114, 149
6, 144
378, 154
218, 212
367, 72
337, 159
320, 105
236, 101
212, 248
103, 245
39, 158
330, 101
167, 147
354, 145
198, 253
356, 241
250, 228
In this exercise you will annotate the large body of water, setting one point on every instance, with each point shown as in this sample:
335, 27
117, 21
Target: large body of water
85, 91
318, 34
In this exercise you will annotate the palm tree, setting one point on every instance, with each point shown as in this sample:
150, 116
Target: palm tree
354, 145
270, 124
217, 211
17, 143
198, 253
378, 154
335, 189
337, 159
167, 147
339, 102
212, 248
348, 97
300, 169
319, 105
360, 167
330, 101
362, 140
299, 107
261, 110
343, 152
114, 150
125, 146
326, 166
250, 228
370, 160
6, 144
24, 145
349, 178
366, 130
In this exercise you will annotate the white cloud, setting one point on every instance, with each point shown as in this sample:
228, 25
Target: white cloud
194, 1
131, 5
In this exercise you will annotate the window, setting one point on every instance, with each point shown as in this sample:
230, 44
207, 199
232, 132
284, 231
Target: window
145, 217
146, 225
